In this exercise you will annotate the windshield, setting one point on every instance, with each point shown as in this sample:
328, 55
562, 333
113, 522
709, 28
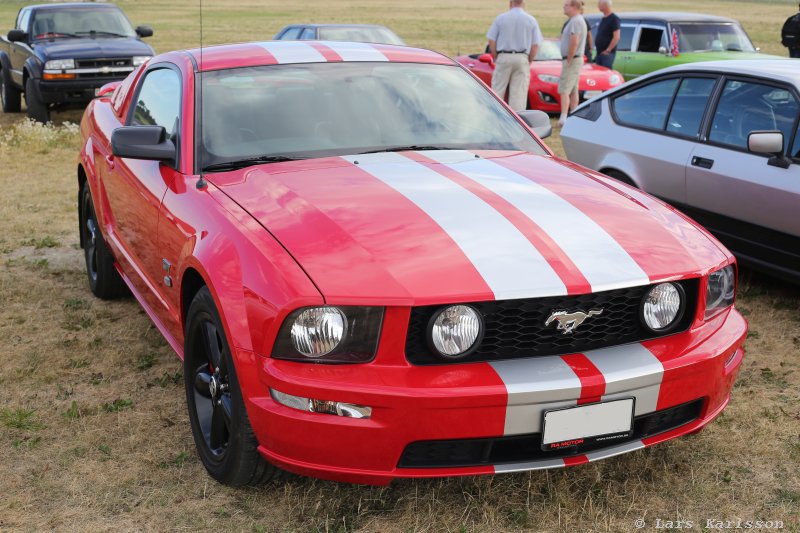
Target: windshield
710, 36
80, 22
359, 34
548, 51
327, 109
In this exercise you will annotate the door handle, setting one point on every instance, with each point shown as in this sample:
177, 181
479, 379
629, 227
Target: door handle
702, 162
110, 162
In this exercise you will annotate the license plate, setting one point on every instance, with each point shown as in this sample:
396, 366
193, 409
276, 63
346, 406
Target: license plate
591, 94
587, 424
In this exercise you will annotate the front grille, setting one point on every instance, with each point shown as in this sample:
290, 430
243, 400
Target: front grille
516, 328
523, 448
115, 63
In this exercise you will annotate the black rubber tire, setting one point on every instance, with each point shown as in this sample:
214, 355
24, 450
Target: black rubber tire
37, 110
236, 460
619, 176
10, 96
104, 280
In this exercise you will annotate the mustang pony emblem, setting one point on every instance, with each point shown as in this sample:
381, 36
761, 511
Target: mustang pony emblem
568, 322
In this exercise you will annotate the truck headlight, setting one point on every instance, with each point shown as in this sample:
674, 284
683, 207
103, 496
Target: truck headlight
140, 60
60, 64
329, 334
720, 290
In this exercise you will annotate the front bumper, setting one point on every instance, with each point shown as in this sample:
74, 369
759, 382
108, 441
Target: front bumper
491, 401
78, 91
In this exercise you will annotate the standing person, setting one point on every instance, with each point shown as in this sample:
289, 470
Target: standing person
608, 34
790, 35
573, 41
589, 45
514, 38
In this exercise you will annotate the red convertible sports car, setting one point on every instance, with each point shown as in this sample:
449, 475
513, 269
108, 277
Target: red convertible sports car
545, 71
373, 269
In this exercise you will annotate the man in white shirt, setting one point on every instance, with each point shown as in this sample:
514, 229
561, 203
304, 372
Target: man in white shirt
573, 42
514, 38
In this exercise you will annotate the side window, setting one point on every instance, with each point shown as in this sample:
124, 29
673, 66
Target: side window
625, 38
796, 147
24, 19
651, 39
159, 100
646, 106
308, 34
749, 106
689, 106
291, 34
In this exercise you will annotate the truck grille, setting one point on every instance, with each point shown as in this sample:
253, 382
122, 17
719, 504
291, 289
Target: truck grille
516, 328
105, 67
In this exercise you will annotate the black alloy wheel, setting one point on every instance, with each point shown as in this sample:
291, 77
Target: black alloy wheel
220, 427
104, 280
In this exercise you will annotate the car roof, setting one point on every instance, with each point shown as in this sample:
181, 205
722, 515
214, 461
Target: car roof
669, 16
80, 5
288, 52
778, 69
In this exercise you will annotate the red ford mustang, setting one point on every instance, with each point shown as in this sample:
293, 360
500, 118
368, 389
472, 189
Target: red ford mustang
545, 71
372, 269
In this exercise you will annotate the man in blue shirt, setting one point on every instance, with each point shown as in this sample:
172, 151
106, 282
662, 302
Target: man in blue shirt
514, 38
608, 34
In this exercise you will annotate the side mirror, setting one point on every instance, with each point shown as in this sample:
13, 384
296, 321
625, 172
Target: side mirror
486, 58
144, 31
769, 142
538, 121
107, 89
16, 36
143, 142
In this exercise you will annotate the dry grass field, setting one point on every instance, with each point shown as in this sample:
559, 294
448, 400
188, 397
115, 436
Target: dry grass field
92, 413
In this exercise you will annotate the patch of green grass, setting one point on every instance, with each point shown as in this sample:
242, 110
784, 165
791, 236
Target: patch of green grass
117, 405
19, 418
166, 380
44, 242
104, 449
74, 304
175, 462
77, 363
145, 361
73, 411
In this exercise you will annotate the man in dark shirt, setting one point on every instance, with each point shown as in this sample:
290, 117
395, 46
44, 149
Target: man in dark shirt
608, 34
790, 35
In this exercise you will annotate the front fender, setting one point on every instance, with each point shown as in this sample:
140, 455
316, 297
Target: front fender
622, 163
33, 68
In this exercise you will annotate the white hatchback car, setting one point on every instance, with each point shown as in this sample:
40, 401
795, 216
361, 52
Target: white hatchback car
719, 140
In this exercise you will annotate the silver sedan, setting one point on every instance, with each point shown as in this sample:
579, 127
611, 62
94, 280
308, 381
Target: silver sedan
718, 140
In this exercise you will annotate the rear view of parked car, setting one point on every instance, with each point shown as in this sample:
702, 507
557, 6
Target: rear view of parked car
359, 33
651, 41
719, 140
58, 55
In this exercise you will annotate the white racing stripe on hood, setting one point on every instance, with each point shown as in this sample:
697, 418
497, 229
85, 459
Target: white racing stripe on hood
356, 51
630, 370
601, 259
511, 266
535, 385
293, 52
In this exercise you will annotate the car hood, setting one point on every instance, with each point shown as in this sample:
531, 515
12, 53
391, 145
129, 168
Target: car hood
419, 228
92, 48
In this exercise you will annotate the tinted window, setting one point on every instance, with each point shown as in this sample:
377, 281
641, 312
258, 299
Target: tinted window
159, 100
81, 21
625, 38
700, 37
651, 39
362, 34
308, 34
747, 106
689, 106
291, 34
646, 106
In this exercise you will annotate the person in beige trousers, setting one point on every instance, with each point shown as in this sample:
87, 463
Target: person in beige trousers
514, 39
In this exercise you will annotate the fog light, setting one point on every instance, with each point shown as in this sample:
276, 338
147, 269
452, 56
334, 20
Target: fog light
662, 306
347, 410
455, 331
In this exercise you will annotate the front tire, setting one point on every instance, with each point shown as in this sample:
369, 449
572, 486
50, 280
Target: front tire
37, 109
220, 427
10, 96
104, 280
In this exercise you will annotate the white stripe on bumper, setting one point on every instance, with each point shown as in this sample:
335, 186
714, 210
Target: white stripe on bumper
600, 258
530, 465
615, 450
630, 370
511, 266
535, 385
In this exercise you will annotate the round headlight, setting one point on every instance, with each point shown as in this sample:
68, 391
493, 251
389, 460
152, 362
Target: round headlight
662, 306
614, 79
317, 331
455, 331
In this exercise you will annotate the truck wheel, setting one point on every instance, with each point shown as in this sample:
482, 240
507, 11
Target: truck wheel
37, 110
9, 95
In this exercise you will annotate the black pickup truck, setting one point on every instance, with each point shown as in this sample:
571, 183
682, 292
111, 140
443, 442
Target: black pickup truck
59, 54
